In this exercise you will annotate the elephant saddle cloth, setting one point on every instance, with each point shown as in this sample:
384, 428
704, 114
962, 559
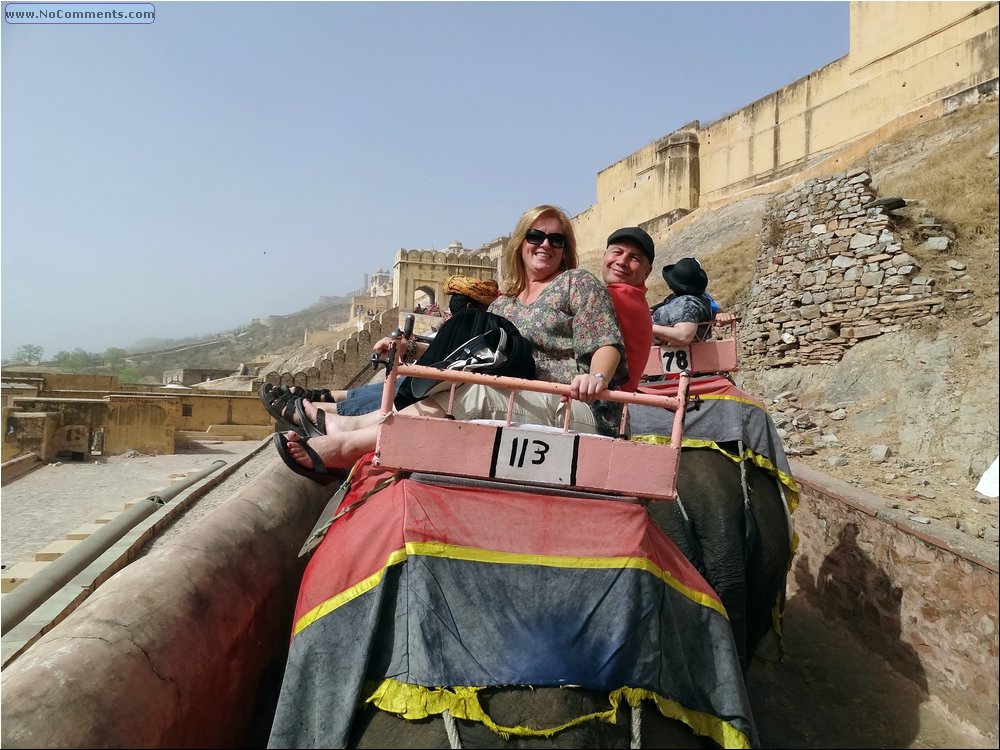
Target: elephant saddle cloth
720, 414
420, 595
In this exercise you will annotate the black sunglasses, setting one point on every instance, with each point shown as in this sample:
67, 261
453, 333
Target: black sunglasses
537, 237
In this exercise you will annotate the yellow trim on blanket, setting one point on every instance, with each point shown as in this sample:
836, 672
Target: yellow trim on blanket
414, 702
738, 399
475, 554
361, 587
705, 725
757, 459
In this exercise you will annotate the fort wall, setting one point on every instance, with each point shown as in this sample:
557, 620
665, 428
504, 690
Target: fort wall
333, 364
902, 57
428, 270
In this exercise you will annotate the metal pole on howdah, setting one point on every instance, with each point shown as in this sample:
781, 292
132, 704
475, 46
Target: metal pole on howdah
35, 591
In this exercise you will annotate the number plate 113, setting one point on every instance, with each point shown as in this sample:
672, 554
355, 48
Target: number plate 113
539, 457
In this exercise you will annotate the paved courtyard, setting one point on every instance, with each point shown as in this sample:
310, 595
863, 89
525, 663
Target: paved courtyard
52, 501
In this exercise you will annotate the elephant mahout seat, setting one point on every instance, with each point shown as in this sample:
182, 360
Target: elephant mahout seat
714, 355
529, 454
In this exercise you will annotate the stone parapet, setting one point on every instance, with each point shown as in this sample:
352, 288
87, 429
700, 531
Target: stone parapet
16, 467
924, 601
332, 366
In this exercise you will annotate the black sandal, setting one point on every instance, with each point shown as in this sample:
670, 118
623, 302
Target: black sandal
319, 395
306, 427
280, 404
318, 473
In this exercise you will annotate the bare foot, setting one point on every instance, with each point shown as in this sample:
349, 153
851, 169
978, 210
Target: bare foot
331, 420
336, 423
338, 451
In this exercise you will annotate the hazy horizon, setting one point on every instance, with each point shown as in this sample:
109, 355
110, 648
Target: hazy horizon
234, 160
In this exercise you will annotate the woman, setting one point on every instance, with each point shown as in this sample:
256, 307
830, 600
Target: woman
679, 319
566, 314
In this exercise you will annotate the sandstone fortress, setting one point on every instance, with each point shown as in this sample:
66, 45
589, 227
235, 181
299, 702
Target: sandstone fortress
906, 62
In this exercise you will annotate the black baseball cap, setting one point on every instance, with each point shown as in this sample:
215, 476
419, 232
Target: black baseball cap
635, 236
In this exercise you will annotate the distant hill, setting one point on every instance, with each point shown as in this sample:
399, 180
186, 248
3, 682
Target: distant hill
247, 343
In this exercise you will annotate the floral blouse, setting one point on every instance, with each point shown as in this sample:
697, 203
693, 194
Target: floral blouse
570, 319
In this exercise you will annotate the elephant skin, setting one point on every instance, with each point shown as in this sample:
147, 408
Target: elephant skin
710, 489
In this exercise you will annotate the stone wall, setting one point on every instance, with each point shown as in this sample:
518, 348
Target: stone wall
831, 272
141, 423
332, 366
924, 604
29, 432
54, 381
190, 376
199, 413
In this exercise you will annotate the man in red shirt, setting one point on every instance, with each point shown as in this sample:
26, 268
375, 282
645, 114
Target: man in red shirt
627, 263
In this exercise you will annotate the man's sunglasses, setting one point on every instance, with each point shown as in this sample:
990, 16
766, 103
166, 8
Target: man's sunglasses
537, 237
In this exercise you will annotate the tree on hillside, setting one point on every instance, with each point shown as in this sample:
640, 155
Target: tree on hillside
115, 359
73, 361
62, 358
27, 354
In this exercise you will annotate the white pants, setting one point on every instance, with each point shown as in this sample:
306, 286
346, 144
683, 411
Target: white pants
474, 401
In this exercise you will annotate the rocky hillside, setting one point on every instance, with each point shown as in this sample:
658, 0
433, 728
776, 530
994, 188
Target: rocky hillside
274, 337
911, 414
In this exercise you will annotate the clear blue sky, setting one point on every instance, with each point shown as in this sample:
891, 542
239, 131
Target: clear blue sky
240, 159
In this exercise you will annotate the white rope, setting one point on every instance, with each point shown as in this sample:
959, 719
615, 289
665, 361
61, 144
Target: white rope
451, 728
743, 477
680, 507
636, 741
788, 510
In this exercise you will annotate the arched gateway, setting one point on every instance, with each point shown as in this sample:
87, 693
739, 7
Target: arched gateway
424, 272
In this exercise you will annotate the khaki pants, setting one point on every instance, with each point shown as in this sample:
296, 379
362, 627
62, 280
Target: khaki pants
474, 401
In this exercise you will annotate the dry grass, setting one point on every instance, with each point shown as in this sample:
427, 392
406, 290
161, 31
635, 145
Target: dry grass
942, 168
956, 181
729, 269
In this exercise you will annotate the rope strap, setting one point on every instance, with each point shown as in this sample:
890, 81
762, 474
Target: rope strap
451, 728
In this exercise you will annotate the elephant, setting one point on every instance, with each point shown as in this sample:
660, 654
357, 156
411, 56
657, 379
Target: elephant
745, 557
735, 495
472, 616
747, 568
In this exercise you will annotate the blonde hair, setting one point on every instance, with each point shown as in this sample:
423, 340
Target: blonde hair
513, 266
